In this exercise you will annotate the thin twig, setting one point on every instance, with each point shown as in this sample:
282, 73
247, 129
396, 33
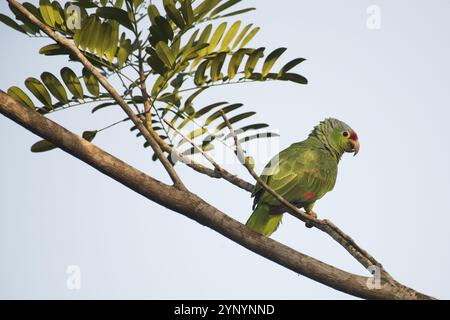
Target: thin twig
234, 179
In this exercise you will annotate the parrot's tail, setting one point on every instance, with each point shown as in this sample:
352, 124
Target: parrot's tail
264, 222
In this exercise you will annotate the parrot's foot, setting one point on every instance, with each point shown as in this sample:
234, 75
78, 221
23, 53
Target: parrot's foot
313, 215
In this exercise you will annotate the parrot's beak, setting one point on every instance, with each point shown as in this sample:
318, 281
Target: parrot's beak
356, 145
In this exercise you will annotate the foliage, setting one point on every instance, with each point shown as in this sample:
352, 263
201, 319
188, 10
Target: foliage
181, 48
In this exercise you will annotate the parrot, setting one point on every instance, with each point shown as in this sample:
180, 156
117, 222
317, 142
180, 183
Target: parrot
302, 174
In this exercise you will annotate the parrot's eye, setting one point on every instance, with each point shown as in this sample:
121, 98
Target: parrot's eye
345, 134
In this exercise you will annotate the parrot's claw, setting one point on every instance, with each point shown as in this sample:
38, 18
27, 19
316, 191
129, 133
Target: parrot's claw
313, 215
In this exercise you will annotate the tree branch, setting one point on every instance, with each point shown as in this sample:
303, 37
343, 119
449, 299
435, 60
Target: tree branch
195, 208
108, 87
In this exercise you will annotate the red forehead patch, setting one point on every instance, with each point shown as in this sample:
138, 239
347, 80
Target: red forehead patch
354, 136
309, 195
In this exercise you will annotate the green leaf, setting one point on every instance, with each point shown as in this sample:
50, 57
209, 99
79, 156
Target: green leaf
113, 40
252, 61
199, 78
216, 66
235, 63
38, 90
42, 146
256, 76
241, 36
165, 54
223, 7
103, 105
204, 8
294, 78
33, 9
87, 4
157, 35
192, 53
55, 87
159, 86
83, 37
153, 12
89, 135
188, 103
54, 50
165, 27
177, 83
124, 51
203, 39
186, 10
157, 65
290, 65
230, 35
249, 37
31, 28
218, 113
173, 13
207, 109
104, 41
235, 119
58, 13
11, 23
271, 59
204, 36
217, 36
94, 33
137, 3
175, 47
235, 13
118, 4
190, 43
19, 95
72, 82
116, 14
255, 126
47, 12
91, 82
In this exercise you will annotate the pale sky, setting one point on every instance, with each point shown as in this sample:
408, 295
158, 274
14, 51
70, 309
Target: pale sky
390, 84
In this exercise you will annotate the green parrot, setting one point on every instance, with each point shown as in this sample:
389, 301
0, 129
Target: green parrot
302, 174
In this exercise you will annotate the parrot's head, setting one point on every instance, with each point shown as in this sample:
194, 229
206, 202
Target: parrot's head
338, 136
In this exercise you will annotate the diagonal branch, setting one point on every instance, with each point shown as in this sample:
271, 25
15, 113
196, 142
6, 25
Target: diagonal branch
324, 225
195, 208
148, 134
234, 179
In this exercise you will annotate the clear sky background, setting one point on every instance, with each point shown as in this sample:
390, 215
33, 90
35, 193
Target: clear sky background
391, 85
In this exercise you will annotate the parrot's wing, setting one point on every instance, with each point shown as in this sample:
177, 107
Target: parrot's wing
279, 173
302, 176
